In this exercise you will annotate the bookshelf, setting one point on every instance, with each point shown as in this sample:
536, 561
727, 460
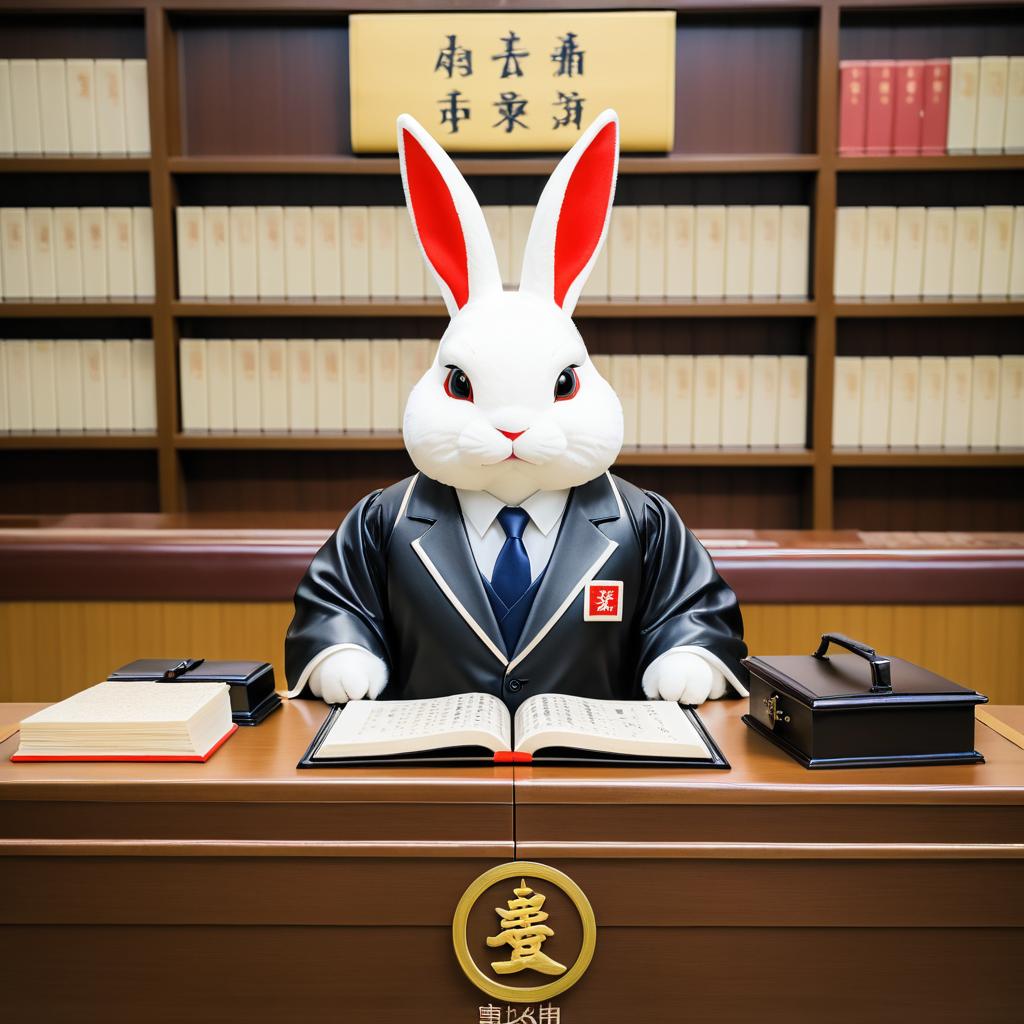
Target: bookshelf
249, 103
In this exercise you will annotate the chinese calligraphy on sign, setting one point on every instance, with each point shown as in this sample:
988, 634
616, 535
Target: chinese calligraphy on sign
548, 1014
513, 81
523, 928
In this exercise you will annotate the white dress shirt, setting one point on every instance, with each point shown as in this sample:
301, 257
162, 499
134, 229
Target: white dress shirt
486, 536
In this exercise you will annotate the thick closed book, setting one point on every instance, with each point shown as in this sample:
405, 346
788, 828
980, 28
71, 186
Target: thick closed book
415, 356
764, 274
28, 126
92, 220
679, 251
851, 228
6, 114
94, 385
709, 268
707, 400
853, 93
764, 401
792, 401
19, 384
81, 80
130, 721
298, 252
245, 355
903, 403
110, 124
120, 254
520, 220
383, 251
651, 252
651, 407
931, 402
358, 389
876, 393
42, 272
963, 104
191, 270
220, 385
270, 251
1013, 132
968, 231
909, 265
880, 252
626, 382
136, 107
143, 386
1017, 255
735, 429
14, 252
327, 252
117, 366
993, 74
679, 400
550, 728
142, 252
909, 108
956, 413
935, 115
1011, 402
193, 384
43, 369
53, 107
409, 265
997, 241
499, 225
355, 252
385, 410
274, 384
739, 246
68, 362
623, 255
846, 402
330, 396
984, 429
881, 92
301, 385
939, 229
217, 252
794, 252
244, 265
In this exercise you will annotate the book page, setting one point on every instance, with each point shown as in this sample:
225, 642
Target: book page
403, 726
648, 728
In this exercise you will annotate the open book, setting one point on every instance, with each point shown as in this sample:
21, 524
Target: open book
550, 728
130, 721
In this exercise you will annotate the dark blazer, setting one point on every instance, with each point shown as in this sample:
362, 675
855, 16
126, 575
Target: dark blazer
398, 577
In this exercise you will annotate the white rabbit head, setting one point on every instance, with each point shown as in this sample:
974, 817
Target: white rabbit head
512, 404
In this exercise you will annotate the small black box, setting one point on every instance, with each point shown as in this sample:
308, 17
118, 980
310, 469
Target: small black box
251, 683
860, 710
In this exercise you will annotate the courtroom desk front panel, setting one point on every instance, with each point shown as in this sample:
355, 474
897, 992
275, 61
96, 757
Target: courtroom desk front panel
247, 890
242, 889
772, 893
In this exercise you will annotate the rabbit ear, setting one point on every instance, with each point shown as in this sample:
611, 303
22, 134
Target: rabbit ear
447, 218
572, 216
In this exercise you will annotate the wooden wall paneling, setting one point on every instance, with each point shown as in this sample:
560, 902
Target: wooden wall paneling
109, 34
928, 337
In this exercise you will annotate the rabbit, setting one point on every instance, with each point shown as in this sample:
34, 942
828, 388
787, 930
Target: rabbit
513, 413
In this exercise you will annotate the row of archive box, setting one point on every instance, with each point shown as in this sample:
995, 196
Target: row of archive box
928, 402
71, 387
330, 252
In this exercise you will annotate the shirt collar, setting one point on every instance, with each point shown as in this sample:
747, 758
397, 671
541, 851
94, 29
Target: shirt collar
544, 508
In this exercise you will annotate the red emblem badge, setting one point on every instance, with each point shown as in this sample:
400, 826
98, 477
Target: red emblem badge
602, 601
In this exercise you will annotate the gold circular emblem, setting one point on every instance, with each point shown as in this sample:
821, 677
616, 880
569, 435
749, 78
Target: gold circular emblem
511, 941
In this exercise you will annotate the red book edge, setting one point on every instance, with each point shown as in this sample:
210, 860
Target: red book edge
852, 136
190, 758
874, 144
512, 757
934, 125
906, 125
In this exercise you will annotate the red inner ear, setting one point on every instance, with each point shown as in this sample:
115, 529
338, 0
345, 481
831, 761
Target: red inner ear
437, 221
583, 210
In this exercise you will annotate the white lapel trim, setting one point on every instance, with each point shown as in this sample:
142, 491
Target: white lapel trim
405, 500
615, 491
456, 603
564, 606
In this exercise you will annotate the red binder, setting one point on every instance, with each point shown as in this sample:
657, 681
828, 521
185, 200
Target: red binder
881, 90
935, 122
853, 94
909, 108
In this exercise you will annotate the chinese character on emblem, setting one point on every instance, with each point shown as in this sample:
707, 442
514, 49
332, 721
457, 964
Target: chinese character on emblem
602, 601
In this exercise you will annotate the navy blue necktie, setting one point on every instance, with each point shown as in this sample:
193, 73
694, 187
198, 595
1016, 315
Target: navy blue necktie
511, 577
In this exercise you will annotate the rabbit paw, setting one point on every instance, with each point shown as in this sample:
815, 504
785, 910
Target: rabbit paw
349, 674
684, 677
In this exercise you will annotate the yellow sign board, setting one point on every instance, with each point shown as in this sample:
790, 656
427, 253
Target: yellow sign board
512, 81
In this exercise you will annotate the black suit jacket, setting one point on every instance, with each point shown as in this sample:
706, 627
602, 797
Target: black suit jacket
398, 577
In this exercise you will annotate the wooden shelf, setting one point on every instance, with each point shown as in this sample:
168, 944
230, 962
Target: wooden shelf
74, 164
13, 442
992, 162
598, 308
71, 308
673, 163
941, 308
715, 457
908, 457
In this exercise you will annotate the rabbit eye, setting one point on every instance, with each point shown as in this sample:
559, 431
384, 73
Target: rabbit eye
457, 385
567, 385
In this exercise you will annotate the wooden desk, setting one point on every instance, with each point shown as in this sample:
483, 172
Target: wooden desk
245, 890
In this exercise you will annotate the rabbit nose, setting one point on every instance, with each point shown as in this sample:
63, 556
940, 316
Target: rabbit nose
511, 434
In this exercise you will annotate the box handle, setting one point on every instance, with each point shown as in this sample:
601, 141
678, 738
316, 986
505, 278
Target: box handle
881, 681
